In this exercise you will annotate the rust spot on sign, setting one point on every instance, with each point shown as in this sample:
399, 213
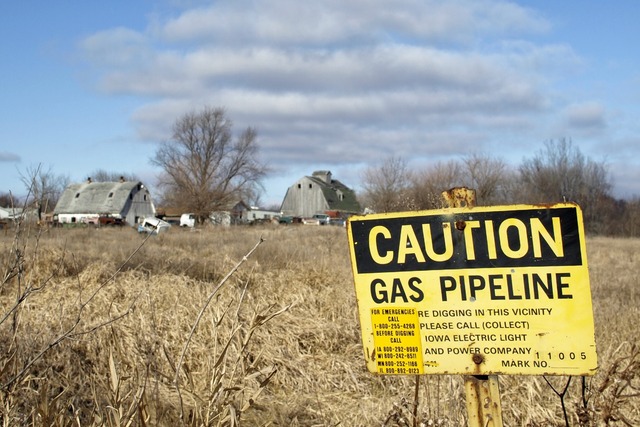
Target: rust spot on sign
460, 197
478, 358
373, 354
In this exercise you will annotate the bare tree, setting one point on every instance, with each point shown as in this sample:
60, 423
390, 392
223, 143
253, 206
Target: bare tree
44, 188
511, 190
205, 169
6, 200
101, 175
625, 221
560, 172
427, 185
385, 186
487, 176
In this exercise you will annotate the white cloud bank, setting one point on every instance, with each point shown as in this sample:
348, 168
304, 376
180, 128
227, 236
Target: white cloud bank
333, 83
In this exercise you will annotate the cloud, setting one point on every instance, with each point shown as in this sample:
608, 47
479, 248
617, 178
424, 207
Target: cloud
116, 47
337, 82
8, 157
586, 116
335, 22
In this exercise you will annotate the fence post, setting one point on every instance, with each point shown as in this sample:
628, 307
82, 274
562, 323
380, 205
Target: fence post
482, 391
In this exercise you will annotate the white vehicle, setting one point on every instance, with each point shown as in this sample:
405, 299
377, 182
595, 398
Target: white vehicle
187, 220
323, 219
152, 225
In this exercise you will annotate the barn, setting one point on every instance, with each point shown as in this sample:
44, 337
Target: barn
86, 202
319, 193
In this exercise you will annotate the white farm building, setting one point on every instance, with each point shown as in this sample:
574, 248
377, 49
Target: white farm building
85, 202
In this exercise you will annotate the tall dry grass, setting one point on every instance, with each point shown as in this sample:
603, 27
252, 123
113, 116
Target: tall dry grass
95, 327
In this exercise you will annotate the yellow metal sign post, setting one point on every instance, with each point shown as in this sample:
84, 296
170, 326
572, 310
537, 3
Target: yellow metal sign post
482, 391
477, 291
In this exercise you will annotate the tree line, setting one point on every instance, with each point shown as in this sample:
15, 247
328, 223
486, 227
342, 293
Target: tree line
205, 167
558, 172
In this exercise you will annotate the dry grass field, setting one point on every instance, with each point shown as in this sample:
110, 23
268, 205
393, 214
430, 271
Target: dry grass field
100, 327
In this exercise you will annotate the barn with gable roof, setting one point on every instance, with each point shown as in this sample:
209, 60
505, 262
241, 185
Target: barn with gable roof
86, 202
319, 193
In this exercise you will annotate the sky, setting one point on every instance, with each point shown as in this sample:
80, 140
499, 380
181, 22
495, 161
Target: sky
337, 85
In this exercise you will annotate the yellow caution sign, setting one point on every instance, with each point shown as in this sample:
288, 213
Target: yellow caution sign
474, 291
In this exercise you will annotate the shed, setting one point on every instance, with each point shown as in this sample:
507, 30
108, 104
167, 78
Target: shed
10, 213
129, 200
257, 214
319, 193
229, 215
